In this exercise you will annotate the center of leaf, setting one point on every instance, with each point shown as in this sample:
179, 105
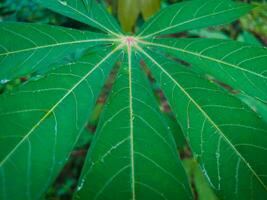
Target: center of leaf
129, 41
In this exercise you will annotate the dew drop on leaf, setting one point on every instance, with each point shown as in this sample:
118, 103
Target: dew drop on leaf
4, 81
81, 185
63, 2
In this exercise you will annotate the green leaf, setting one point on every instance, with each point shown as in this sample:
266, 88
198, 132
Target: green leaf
176, 131
193, 15
38, 132
87, 11
227, 138
85, 138
204, 192
25, 48
149, 7
237, 64
206, 33
133, 155
128, 12
249, 38
256, 105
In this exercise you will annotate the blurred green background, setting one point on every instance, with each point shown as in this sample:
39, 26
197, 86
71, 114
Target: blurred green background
251, 28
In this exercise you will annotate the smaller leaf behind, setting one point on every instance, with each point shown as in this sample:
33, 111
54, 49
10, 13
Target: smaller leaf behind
204, 192
128, 12
149, 7
259, 107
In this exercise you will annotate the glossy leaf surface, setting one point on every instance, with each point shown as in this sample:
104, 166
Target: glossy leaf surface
133, 154
133, 148
224, 134
25, 48
87, 11
38, 132
238, 64
193, 15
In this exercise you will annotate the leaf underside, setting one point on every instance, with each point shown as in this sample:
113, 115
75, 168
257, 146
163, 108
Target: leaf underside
133, 155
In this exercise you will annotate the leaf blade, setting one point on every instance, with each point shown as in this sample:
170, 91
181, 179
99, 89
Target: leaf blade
210, 134
239, 65
46, 139
26, 48
89, 12
130, 111
192, 15
128, 12
149, 8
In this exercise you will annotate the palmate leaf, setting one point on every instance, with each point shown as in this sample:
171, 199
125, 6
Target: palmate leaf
133, 148
192, 15
238, 64
38, 132
87, 11
25, 48
133, 155
225, 135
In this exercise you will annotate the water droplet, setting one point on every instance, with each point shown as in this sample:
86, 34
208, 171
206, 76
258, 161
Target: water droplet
81, 185
64, 3
4, 81
37, 77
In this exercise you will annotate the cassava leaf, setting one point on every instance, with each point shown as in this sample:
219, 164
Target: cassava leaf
87, 11
133, 155
38, 132
249, 38
202, 186
149, 7
227, 138
25, 48
192, 15
259, 107
128, 12
238, 64
85, 138
176, 131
